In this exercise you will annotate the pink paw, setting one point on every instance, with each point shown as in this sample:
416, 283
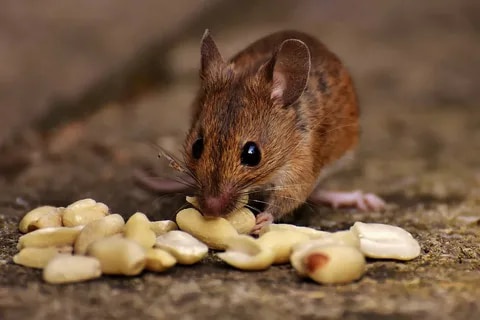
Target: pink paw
263, 219
356, 199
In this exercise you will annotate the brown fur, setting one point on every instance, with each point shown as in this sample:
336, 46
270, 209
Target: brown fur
297, 140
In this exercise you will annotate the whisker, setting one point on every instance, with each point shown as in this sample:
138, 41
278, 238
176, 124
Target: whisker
252, 208
267, 203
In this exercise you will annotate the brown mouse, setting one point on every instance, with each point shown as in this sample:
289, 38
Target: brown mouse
270, 121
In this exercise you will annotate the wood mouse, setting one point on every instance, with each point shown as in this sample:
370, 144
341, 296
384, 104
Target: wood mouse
269, 121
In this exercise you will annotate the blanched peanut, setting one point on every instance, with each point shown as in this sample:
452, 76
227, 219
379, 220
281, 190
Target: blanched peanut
38, 257
384, 241
83, 211
184, 247
332, 264
312, 233
67, 268
346, 237
52, 219
30, 221
245, 253
214, 232
162, 227
97, 229
302, 248
281, 243
243, 220
118, 255
159, 260
49, 237
193, 201
138, 229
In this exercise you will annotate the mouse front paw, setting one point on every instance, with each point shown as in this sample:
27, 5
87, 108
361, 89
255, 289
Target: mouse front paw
263, 219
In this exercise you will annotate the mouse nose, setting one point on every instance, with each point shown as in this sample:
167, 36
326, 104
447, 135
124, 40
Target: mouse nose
215, 206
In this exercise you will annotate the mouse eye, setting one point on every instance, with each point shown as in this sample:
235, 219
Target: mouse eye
250, 154
197, 148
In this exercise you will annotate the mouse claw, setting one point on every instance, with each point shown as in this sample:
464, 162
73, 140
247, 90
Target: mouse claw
263, 219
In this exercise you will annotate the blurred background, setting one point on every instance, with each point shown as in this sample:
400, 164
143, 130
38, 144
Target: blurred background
90, 89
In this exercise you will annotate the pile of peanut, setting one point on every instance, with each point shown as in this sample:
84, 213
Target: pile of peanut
84, 241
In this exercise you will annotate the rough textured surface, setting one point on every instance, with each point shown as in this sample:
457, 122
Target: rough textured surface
416, 67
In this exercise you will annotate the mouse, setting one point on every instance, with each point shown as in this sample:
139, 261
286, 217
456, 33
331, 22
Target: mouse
273, 121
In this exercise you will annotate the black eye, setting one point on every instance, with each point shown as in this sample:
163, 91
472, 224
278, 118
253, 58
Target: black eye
197, 148
250, 154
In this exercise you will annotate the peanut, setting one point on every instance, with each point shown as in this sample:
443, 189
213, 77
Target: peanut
184, 247
138, 229
38, 257
97, 229
66, 268
49, 237
118, 255
83, 211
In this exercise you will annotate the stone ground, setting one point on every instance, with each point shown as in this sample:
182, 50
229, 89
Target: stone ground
416, 67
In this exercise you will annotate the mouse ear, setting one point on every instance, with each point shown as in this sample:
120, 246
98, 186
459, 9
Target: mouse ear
211, 59
288, 71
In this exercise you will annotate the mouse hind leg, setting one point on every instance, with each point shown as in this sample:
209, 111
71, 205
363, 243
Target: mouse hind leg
356, 199
336, 199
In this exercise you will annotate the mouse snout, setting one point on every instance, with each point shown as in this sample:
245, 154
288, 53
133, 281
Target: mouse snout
216, 206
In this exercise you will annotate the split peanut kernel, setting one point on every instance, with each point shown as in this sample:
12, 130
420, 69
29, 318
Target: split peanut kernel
384, 241
162, 227
83, 211
159, 260
118, 255
331, 263
38, 257
184, 247
67, 268
214, 232
98, 229
281, 243
41, 217
49, 237
138, 229
245, 253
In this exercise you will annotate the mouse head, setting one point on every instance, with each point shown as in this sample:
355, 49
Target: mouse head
245, 124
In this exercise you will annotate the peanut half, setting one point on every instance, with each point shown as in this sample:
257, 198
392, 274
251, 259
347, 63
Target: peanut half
118, 255
241, 218
214, 232
162, 227
184, 247
38, 257
159, 260
49, 237
330, 263
97, 229
66, 268
83, 211
281, 243
302, 248
384, 241
138, 229
311, 232
49, 216
245, 253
